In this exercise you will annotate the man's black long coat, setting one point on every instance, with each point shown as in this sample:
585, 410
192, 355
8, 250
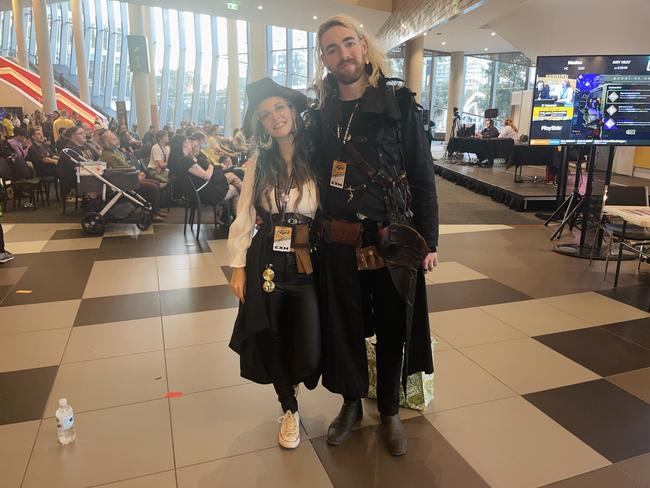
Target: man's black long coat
396, 140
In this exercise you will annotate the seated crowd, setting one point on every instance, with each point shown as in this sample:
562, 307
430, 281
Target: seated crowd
193, 158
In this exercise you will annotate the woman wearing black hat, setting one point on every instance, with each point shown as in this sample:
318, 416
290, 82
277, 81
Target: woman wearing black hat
277, 331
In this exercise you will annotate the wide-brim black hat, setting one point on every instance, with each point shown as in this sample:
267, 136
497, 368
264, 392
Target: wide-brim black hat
260, 90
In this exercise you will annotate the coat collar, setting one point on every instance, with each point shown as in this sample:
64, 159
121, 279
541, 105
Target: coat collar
376, 100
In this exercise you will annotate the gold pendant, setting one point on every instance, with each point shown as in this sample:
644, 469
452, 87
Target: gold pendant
268, 286
268, 274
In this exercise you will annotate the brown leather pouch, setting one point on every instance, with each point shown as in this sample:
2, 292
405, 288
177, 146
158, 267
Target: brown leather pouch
301, 249
368, 258
345, 233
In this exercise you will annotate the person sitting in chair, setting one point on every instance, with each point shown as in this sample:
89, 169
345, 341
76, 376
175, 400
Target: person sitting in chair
490, 131
115, 159
208, 180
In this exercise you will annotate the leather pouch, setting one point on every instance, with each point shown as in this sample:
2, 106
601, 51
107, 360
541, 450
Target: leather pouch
345, 233
368, 258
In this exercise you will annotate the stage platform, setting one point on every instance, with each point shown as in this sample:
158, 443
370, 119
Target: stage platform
498, 183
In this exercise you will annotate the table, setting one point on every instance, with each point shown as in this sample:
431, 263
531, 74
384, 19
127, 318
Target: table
483, 148
634, 215
523, 154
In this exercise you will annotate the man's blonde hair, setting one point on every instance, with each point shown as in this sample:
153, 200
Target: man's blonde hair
375, 55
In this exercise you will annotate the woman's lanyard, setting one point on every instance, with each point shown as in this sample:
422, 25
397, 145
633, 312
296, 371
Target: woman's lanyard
281, 202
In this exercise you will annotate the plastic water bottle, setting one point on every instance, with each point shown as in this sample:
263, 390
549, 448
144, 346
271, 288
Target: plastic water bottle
65, 422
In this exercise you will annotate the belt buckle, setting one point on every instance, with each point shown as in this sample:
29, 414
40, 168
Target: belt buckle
292, 221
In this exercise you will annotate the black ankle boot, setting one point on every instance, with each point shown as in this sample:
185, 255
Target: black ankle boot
341, 427
394, 435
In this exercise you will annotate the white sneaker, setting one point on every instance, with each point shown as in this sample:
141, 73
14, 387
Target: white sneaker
289, 436
6, 257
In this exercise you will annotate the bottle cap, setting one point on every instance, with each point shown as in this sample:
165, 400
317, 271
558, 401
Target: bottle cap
63, 402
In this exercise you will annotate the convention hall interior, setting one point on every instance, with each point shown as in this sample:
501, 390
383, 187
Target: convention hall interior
535, 112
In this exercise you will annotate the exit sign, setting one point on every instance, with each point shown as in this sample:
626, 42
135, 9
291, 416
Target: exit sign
232, 6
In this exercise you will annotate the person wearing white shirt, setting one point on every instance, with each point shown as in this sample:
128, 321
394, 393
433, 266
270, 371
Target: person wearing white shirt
277, 330
509, 130
566, 93
159, 157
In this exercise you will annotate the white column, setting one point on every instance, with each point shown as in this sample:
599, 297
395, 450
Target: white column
140, 93
21, 39
413, 59
455, 87
46, 72
234, 117
151, 77
80, 53
257, 51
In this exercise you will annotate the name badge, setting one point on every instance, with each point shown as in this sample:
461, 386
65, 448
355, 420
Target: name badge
339, 169
282, 238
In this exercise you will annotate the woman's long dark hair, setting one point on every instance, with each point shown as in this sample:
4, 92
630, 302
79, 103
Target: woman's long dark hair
176, 149
272, 169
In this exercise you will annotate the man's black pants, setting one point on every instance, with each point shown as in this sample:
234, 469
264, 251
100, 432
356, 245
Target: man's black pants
389, 318
2, 240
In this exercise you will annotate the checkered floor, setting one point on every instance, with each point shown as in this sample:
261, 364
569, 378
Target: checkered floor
542, 371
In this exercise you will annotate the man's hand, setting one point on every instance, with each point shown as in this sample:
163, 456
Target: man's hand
430, 262
141, 176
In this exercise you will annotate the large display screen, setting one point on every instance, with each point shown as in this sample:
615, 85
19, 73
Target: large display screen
591, 100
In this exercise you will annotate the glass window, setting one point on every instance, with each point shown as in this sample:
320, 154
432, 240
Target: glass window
190, 62
477, 89
242, 51
440, 91
174, 51
425, 89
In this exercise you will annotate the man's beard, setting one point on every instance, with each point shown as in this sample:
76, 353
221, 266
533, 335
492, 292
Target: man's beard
349, 78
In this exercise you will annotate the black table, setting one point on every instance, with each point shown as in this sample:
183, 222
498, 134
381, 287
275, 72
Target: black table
523, 154
483, 148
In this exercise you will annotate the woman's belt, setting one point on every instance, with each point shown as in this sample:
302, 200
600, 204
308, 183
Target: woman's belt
300, 244
290, 219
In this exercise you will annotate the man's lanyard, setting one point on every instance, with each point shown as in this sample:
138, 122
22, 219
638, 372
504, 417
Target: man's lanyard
163, 151
346, 135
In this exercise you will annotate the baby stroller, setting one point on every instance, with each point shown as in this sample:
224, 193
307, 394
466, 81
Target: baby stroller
115, 200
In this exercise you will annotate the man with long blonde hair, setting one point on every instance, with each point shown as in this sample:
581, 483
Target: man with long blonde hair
379, 226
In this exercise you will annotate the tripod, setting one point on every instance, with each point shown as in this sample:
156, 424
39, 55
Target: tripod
571, 206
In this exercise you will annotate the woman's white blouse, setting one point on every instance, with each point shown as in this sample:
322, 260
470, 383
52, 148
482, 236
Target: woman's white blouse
242, 229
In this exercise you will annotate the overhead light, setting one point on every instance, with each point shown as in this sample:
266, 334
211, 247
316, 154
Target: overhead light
443, 42
315, 17
259, 7
424, 34
485, 49
493, 34
361, 25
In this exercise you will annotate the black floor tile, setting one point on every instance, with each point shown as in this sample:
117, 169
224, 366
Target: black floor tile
126, 247
4, 291
118, 308
598, 350
10, 276
638, 469
607, 418
363, 461
607, 477
23, 394
54, 276
633, 330
227, 271
197, 299
474, 293
637, 296
69, 234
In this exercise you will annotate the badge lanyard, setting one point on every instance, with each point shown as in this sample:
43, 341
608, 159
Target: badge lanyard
281, 203
346, 136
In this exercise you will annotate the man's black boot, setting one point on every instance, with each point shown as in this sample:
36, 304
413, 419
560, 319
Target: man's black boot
341, 427
394, 435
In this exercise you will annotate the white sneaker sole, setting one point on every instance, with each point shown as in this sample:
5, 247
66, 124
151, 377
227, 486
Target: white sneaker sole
288, 444
6, 260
